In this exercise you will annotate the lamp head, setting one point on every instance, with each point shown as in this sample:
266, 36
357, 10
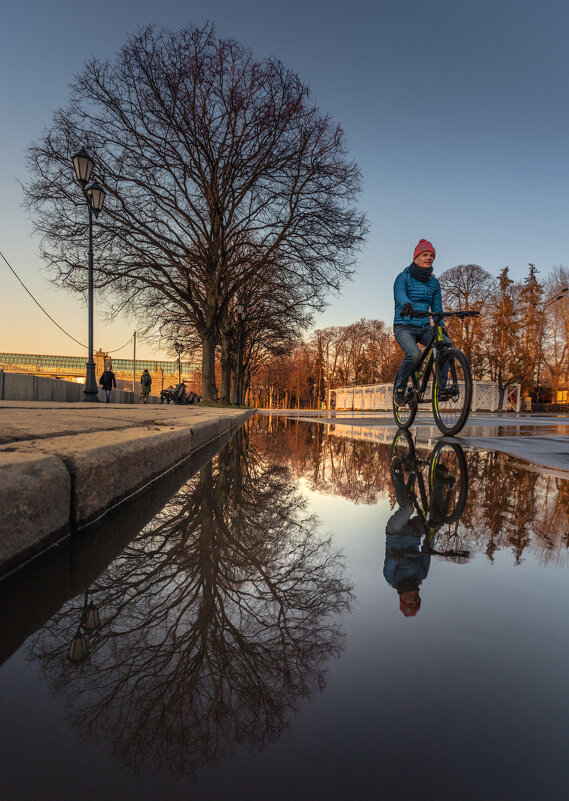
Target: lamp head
96, 195
83, 165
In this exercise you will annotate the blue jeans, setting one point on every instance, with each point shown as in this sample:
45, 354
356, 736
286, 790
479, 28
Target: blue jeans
107, 395
407, 337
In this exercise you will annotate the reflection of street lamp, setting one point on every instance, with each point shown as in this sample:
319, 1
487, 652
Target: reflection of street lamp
545, 306
241, 311
90, 620
95, 197
178, 347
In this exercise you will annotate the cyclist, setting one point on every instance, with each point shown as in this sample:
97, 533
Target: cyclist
415, 289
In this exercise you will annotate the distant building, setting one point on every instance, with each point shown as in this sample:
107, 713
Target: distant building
164, 373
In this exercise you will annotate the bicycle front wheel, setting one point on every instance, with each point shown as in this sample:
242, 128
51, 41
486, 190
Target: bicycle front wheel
448, 482
405, 413
452, 392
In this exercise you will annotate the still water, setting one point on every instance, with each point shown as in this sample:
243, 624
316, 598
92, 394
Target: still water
303, 616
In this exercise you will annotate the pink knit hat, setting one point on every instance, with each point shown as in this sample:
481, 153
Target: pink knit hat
423, 246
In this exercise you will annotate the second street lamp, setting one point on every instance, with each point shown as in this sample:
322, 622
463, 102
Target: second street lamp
95, 197
178, 347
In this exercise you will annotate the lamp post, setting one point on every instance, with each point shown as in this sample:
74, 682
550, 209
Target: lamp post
178, 347
95, 197
241, 312
546, 305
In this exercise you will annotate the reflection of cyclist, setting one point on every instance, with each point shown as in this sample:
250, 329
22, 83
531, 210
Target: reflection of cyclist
406, 560
415, 289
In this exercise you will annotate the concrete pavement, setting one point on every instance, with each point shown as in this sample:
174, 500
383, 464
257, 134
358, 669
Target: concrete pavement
62, 465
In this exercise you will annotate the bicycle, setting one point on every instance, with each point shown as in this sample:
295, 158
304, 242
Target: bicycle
451, 386
442, 498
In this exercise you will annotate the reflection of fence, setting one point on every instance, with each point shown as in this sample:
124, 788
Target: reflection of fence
485, 397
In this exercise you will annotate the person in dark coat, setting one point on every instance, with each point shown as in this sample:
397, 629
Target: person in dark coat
108, 382
145, 385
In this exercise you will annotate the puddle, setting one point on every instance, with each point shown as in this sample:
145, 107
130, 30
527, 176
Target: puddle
306, 616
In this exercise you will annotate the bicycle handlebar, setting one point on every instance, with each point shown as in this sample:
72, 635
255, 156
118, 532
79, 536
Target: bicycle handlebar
439, 315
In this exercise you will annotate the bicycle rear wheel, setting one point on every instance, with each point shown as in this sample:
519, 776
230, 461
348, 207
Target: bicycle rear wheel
448, 482
405, 414
452, 393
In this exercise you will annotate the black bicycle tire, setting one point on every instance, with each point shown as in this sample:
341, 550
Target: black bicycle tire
404, 424
463, 470
403, 434
450, 431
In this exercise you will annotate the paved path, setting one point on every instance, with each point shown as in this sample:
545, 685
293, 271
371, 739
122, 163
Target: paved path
62, 465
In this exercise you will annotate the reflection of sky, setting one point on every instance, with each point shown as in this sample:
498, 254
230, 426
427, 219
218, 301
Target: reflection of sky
467, 700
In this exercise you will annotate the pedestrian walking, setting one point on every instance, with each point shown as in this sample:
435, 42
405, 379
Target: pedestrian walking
108, 382
145, 385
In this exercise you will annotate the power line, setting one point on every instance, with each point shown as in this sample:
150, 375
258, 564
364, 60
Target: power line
39, 304
116, 350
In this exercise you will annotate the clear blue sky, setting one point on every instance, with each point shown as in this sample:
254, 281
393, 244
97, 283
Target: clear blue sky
456, 112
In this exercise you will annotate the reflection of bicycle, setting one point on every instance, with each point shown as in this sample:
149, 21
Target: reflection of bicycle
441, 497
451, 383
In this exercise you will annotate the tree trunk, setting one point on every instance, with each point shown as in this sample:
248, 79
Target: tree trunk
226, 367
502, 389
209, 387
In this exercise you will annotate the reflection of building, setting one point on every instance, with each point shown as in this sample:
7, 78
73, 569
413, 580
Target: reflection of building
73, 368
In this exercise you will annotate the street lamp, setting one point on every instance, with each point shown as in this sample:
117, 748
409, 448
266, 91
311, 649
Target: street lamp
95, 197
241, 312
178, 347
546, 305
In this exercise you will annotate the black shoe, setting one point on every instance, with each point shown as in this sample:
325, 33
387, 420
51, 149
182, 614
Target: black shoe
399, 397
448, 394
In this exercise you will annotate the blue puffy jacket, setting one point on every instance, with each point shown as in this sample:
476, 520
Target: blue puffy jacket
422, 295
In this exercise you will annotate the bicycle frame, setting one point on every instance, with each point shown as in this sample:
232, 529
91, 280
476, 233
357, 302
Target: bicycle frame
430, 355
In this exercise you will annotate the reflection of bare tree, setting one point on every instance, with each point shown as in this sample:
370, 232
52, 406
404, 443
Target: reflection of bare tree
509, 506
332, 465
217, 620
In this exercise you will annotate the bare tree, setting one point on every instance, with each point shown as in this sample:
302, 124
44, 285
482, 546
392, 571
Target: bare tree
213, 162
503, 351
555, 331
467, 287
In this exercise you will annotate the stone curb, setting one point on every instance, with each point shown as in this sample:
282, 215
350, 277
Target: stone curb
50, 487
35, 498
